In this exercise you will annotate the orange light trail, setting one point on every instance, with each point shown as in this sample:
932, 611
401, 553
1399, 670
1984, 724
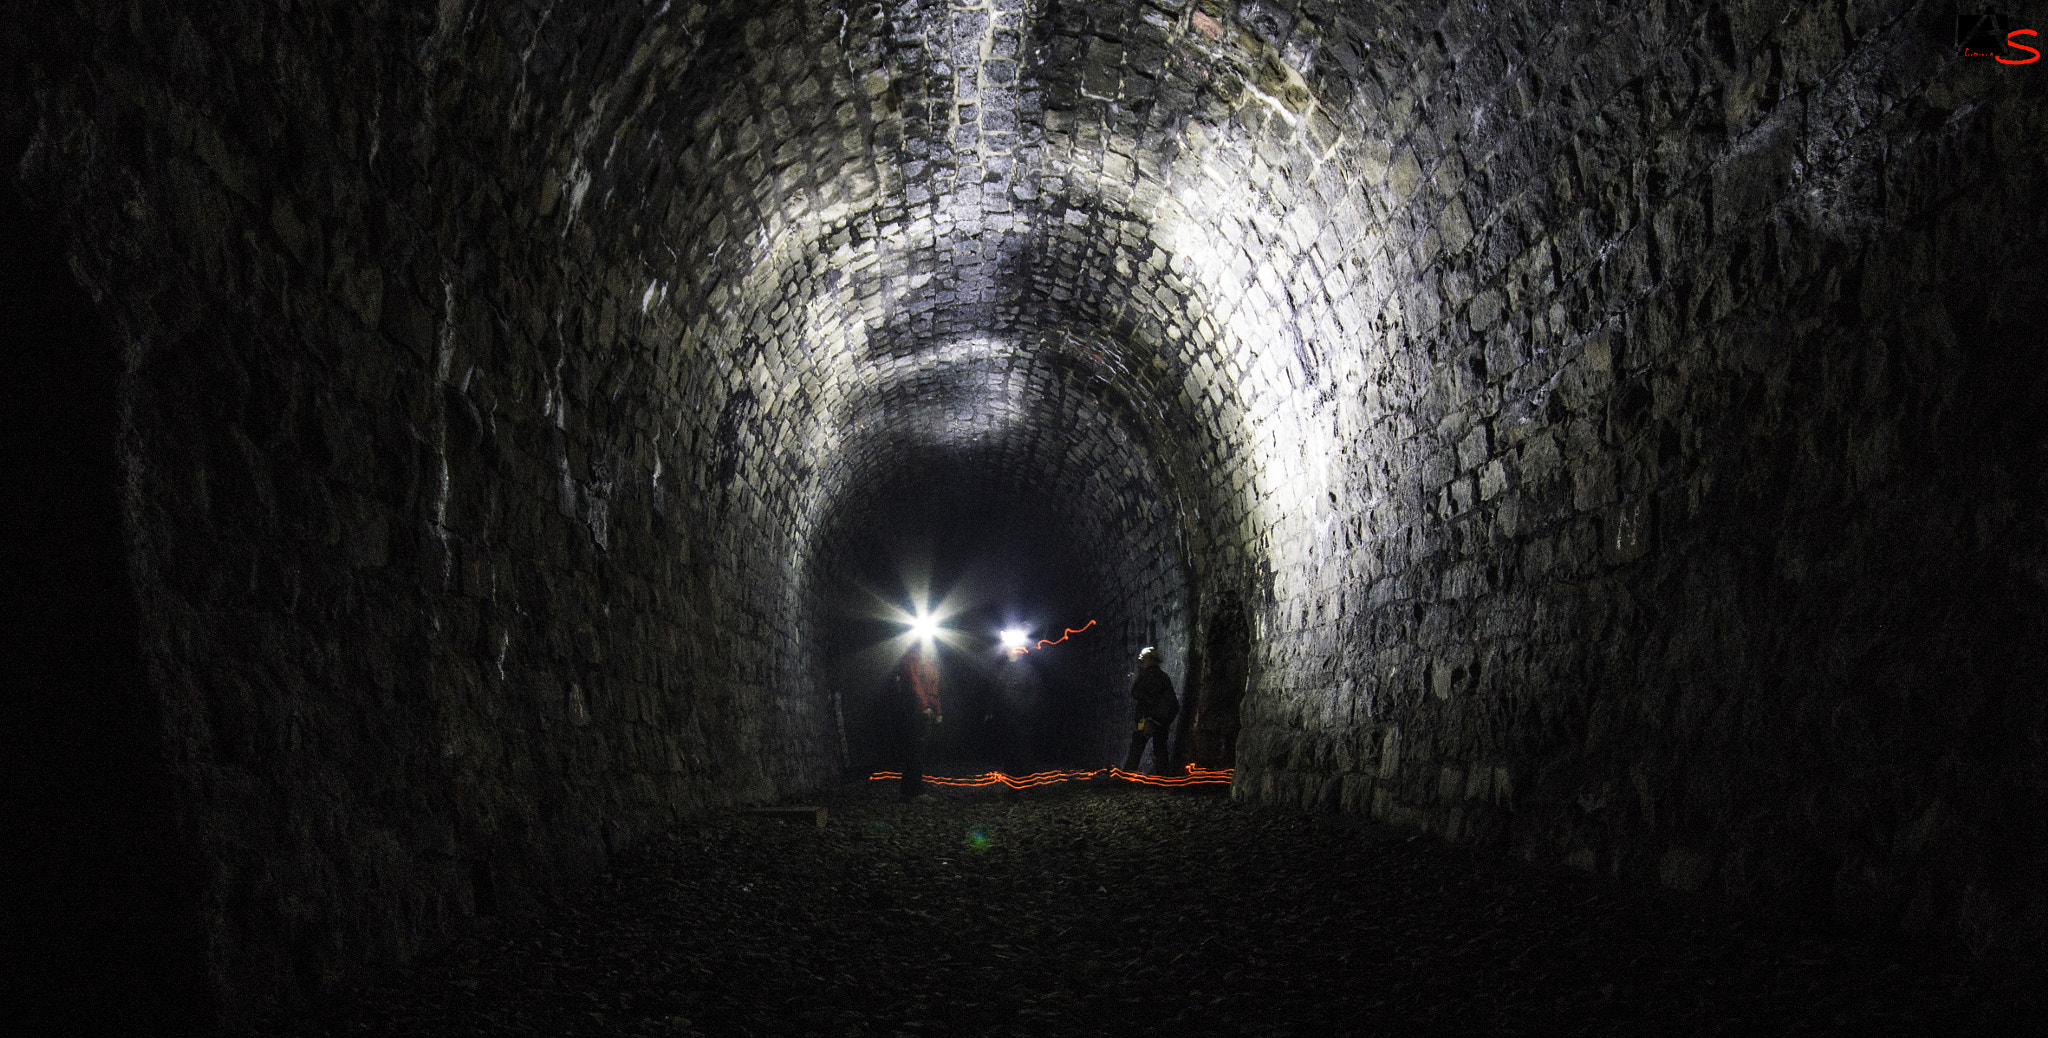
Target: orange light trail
1195, 777
1042, 643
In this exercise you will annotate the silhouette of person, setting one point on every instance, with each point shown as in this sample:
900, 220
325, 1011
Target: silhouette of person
914, 689
1157, 706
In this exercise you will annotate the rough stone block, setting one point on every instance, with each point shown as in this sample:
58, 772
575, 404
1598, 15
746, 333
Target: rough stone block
1539, 458
1682, 869
1593, 483
1460, 491
1474, 449
1628, 532
1493, 480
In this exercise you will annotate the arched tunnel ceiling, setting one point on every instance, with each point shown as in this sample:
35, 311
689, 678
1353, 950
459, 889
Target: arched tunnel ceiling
1518, 404
835, 204
1013, 413
1041, 437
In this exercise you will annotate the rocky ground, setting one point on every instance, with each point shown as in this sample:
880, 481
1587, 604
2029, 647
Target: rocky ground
1087, 910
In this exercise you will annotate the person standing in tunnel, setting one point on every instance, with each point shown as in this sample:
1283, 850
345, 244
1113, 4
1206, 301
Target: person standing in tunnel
1157, 706
915, 690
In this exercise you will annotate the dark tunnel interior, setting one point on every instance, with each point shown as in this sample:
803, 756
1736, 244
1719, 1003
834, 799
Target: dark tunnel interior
91, 851
454, 446
981, 567
947, 535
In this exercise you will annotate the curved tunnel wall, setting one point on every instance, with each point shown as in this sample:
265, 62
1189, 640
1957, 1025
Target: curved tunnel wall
1604, 418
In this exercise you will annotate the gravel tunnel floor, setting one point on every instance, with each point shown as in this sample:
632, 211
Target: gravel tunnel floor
1125, 910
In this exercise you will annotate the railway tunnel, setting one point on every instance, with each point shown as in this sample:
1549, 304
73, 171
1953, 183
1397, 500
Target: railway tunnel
469, 441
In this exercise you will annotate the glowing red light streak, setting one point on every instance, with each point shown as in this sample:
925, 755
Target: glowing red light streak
1194, 777
1042, 643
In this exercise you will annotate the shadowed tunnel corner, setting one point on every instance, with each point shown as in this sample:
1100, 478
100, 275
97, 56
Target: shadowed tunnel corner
99, 932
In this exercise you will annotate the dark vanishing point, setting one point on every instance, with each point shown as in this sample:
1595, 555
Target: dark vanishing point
477, 472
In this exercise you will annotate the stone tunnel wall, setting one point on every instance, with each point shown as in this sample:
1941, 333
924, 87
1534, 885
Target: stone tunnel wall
1714, 556
439, 599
